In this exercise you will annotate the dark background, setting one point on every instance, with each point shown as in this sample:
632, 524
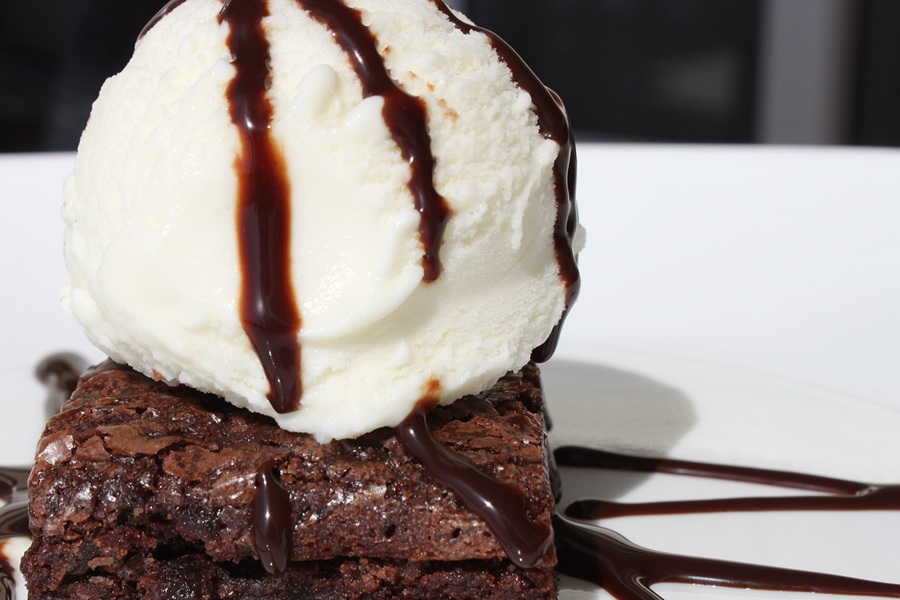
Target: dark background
631, 70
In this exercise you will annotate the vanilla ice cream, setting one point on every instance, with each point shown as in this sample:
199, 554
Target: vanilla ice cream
405, 271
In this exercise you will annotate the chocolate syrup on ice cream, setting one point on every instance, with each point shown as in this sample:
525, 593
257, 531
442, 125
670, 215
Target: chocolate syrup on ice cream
403, 114
554, 125
269, 311
270, 314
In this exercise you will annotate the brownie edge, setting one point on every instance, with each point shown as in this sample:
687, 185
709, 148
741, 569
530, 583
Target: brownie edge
141, 490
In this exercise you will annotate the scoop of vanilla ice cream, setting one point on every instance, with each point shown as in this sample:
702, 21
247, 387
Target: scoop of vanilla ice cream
151, 243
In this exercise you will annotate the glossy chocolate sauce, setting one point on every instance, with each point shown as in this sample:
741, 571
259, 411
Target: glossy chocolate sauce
502, 506
272, 520
404, 115
843, 495
554, 125
627, 571
269, 311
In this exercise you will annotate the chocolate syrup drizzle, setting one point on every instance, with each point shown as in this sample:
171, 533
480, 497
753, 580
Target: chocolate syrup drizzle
404, 115
501, 505
269, 311
14, 519
272, 520
627, 571
554, 125
844, 495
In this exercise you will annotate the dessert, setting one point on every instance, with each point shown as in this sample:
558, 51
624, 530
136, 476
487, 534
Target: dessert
147, 491
339, 216
152, 491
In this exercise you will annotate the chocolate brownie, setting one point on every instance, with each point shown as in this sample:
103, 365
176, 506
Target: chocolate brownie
142, 490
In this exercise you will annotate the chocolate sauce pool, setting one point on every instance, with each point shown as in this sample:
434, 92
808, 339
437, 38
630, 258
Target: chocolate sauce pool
13, 523
59, 373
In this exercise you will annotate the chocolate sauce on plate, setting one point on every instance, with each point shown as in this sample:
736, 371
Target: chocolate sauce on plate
627, 571
7, 583
843, 495
12, 482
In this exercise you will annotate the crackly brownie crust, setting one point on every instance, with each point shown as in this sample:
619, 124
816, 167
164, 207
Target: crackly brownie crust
148, 489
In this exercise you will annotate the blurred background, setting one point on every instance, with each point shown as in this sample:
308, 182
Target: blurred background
734, 71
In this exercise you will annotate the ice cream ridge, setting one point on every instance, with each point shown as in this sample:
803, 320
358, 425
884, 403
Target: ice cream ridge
324, 211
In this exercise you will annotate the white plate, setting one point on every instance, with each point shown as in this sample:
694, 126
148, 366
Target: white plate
660, 405
740, 305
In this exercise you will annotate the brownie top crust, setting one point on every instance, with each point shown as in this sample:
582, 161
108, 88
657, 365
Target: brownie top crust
129, 457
